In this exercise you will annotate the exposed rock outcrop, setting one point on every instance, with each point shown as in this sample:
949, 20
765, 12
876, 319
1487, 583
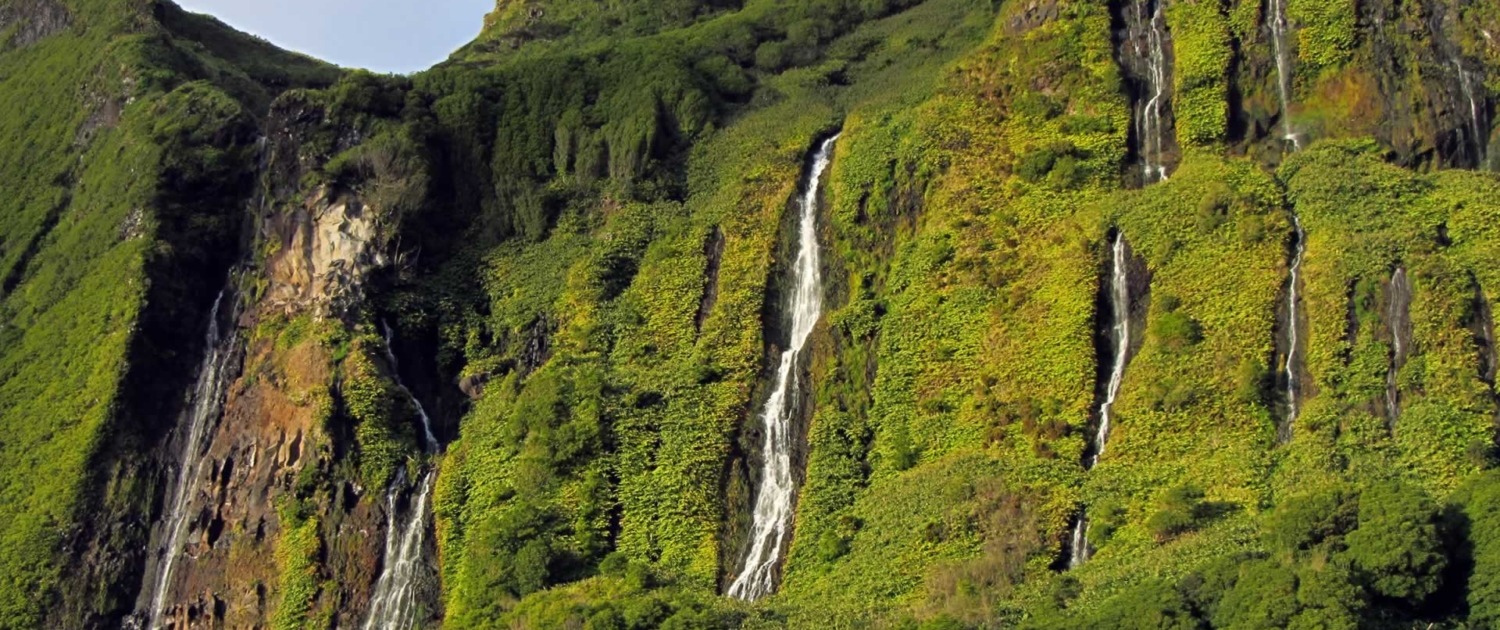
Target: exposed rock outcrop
326, 246
35, 20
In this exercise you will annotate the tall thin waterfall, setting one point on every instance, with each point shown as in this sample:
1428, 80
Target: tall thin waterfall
390, 357
1398, 314
1277, 20
1477, 138
393, 604
195, 427
1150, 124
774, 498
1120, 303
1293, 300
1276, 17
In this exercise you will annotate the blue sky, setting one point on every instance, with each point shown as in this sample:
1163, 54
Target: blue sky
400, 36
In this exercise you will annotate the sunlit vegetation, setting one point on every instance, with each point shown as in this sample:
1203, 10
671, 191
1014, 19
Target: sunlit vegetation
585, 214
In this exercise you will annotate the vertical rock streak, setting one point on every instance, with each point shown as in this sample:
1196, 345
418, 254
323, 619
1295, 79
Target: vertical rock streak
1120, 331
197, 422
772, 518
1293, 340
1397, 316
390, 356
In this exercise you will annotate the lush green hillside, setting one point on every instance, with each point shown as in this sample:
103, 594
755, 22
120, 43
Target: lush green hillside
579, 231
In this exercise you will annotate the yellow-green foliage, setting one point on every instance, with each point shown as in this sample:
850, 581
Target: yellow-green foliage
633, 410
1201, 46
1364, 218
1213, 242
985, 277
381, 413
1325, 32
85, 213
297, 552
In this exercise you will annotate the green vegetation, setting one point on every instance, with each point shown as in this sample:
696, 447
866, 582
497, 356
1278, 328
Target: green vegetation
583, 222
1333, 558
297, 562
1201, 42
1326, 37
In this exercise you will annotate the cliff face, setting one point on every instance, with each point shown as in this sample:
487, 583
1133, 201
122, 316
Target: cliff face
537, 293
1404, 73
261, 529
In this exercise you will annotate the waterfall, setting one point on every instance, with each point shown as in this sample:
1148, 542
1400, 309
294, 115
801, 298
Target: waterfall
773, 500
1277, 20
1150, 124
1120, 332
1478, 138
393, 603
1120, 298
393, 606
1299, 250
1398, 312
195, 425
390, 357
1080, 545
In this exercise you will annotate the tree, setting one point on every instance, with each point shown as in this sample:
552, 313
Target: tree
1264, 596
1396, 548
1482, 507
1154, 605
1178, 512
1304, 522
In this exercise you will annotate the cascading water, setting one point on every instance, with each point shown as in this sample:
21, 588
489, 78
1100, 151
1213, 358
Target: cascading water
1277, 20
1120, 333
197, 423
1151, 124
1293, 299
1120, 298
1397, 317
390, 357
773, 500
393, 604
1478, 140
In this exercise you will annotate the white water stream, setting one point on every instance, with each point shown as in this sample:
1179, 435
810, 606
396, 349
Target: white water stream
1277, 20
1150, 125
1120, 303
1293, 342
772, 518
198, 420
394, 604
1476, 115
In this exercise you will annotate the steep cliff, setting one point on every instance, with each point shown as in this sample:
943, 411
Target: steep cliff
492, 343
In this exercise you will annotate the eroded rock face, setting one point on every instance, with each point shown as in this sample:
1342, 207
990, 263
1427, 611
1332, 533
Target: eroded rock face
327, 245
229, 574
38, 19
